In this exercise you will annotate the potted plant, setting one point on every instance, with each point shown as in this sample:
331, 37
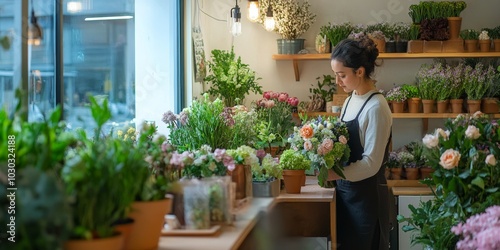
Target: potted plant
393, 169
455, 8
426, 85
471, 39
413, 97
266, 175
484, 41
101, 163
475, 86
336, 32
397, 97
324, 89
275, 121
294, 164
229, 78
490, 100
495, 36
457, 88
245, 159
415, 45
31, 159
292, 20
401, 36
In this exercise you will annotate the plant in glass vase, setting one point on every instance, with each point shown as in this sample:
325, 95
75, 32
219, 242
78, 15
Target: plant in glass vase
323, 140
466, 179
274, 113
229, 78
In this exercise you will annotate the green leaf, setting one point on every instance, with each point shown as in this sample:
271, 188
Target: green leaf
478, 181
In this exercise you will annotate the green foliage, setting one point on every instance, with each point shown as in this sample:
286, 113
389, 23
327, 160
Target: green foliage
431, 10
230, 79
294, 160
469, 34
324, 88
267, 170
466, 179
336, 32
413, 33
411, 90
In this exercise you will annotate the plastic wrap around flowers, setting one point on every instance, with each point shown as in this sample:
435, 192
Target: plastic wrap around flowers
324, 141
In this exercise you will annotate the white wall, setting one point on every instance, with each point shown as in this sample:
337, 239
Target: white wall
256, 46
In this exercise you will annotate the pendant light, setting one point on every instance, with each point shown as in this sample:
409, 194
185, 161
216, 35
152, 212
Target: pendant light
236, 20
269, 23
253, 10
35, 32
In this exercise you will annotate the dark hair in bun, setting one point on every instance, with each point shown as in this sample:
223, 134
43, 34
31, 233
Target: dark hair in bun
357, 53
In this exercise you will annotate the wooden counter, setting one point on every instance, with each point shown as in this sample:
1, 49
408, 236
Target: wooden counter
411, 191
232, 237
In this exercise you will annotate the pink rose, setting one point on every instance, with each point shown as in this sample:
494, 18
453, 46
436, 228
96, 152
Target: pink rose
267, 94
275, 95
342, 139
270, 103
293, 101
472, 132
308, 145
283, 97
450, 159
327, 145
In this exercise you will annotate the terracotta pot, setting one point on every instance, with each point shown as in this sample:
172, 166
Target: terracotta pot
398, 107
442, 106
457, 105
303, 181
425, 172
471, 45
414, 105
454, 26
125, 228
293, 180
412, 173
433, 46
490, 106
428, 106
242, 176
396, 173
484, 45
415, 46
496, 44
149, 217
380, 43
473, 106
110, 243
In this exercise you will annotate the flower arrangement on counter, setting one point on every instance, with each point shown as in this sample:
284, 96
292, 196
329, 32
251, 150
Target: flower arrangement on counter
203, 162
466, 179
268, 168
274, 113
324, 141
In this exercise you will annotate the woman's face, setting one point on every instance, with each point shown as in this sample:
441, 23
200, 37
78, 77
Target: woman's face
347, 78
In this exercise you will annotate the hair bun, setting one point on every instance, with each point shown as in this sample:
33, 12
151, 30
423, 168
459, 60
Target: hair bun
370, 47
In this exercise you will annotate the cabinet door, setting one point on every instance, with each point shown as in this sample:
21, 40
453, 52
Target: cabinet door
404, 238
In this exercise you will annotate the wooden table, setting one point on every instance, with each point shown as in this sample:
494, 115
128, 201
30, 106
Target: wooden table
312, 203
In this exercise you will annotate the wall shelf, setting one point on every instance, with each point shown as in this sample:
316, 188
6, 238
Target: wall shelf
295, 58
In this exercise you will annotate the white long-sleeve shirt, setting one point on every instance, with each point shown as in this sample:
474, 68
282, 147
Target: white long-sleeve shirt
375, 122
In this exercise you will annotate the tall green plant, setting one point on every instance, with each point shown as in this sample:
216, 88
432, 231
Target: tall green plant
230, 79
336, 32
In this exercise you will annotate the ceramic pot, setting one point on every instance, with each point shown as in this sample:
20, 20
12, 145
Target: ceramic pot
496, 44
454, 27
484, 45
426, 172
428, 106
290, 46
414, 105
490, 106
456, 105
412, 173
396, 173
110, 243
471, 45
398, 107
442, 106
473, 106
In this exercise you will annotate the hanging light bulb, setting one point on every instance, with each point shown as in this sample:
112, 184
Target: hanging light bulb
35, 33
253, 10
269, 23
236, 20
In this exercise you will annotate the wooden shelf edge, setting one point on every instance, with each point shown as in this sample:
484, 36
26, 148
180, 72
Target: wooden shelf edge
403, 115
326, 56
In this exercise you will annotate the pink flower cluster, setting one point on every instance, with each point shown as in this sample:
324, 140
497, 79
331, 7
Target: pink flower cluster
271, 97
480, 231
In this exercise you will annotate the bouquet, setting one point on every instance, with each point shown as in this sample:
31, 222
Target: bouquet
324, 141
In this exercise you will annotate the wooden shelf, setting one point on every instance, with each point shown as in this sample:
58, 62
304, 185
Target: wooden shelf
295, 58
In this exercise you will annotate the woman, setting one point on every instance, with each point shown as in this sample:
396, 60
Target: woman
362, 197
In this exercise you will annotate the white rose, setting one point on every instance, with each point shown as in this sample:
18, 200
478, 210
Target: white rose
477, 114
430, 141
442, 133
490, 160
449, 159
472, 132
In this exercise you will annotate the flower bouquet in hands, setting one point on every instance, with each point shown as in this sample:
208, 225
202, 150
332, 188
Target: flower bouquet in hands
324, 141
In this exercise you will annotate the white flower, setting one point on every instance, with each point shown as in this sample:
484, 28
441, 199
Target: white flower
477, 114
472, 132
490, 160
442, 133
430, 141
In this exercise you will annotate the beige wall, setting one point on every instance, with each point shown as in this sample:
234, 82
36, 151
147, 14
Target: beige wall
256, 46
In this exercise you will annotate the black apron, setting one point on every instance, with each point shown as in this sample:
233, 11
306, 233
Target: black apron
362, 206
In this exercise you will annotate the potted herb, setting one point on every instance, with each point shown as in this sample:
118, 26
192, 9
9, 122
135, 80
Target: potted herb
229, 78
495, 35
336, 32
292, 20
484, 41
294, 164
413, 97
475, 86
266, 176
471, 39
426, 85
325, 90
397, 97
455, 8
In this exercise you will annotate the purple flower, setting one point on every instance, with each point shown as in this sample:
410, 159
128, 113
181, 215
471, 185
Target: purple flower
169, 117
227, 115
183, 118
261, 153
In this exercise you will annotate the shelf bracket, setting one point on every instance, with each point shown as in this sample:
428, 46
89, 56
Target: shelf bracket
296, 69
